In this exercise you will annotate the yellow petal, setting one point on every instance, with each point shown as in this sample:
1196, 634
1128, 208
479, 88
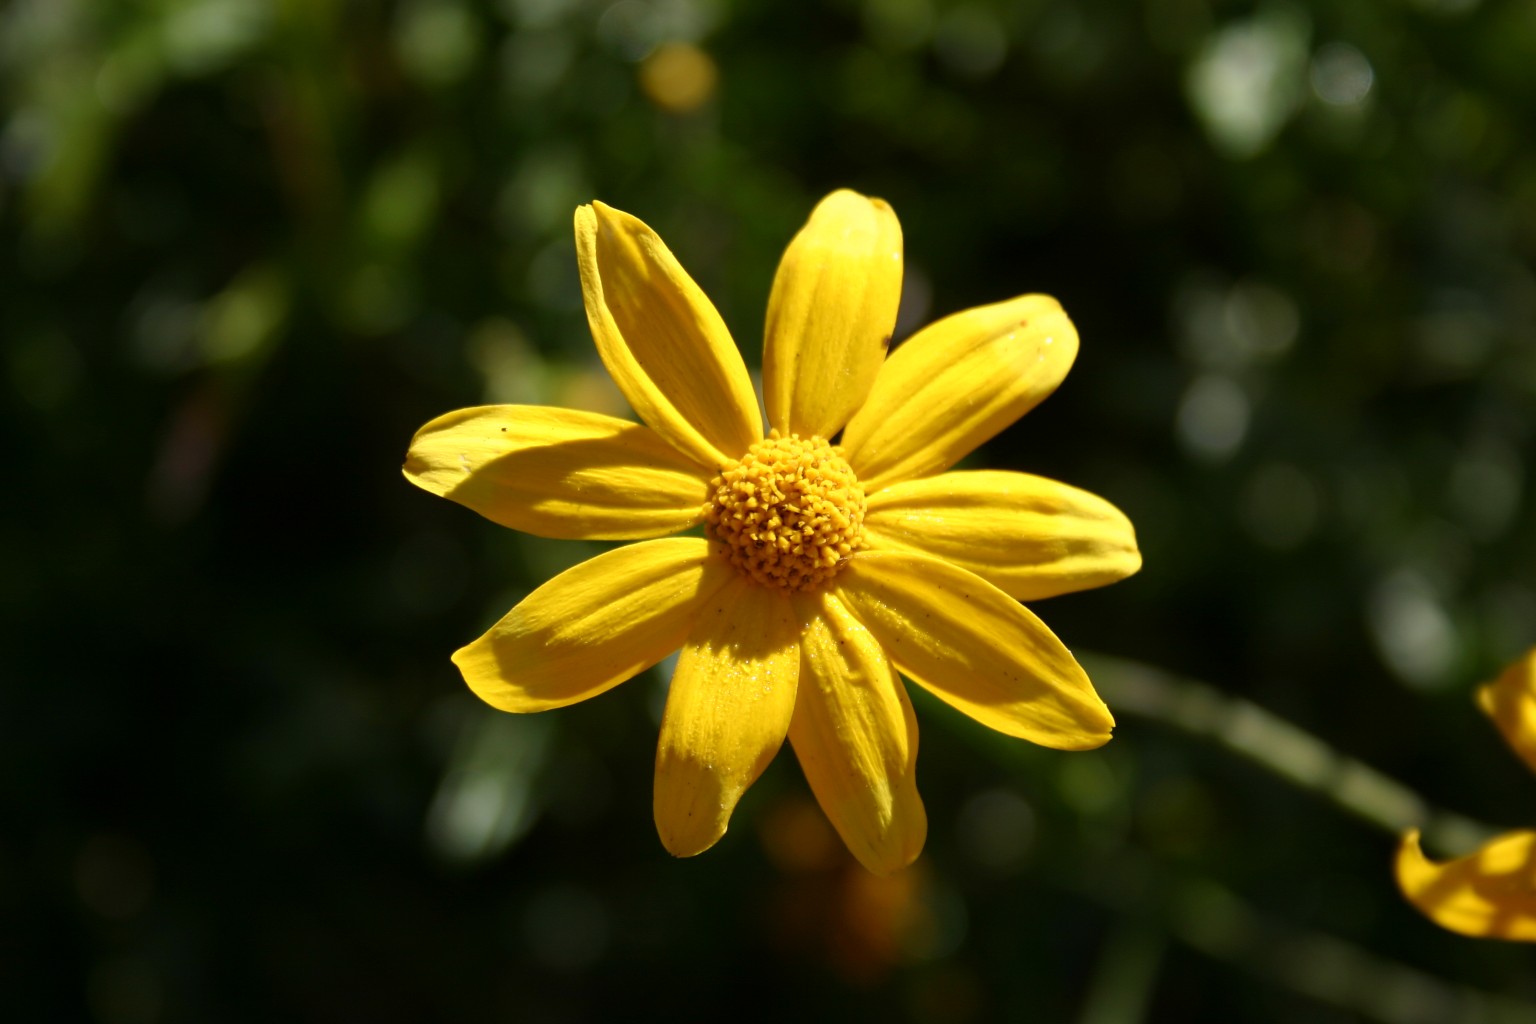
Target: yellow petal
1510, 701
955, 384
558, 472
662, 340
1489, 894
727, 712
856, 737
1028, 536
976, 648
831, 314
594, 625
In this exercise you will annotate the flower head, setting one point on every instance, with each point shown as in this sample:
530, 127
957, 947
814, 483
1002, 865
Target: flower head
836, 551
1490, 893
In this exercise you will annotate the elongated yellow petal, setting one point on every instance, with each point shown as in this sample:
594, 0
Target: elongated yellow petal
1028, 536
955, 384
1510, 701
727, 712
1489, 894
559, 472
855, 736
594, 625
831, 314
976, 648
662, 340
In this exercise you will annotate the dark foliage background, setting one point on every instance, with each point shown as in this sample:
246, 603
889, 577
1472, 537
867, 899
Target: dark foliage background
250, 246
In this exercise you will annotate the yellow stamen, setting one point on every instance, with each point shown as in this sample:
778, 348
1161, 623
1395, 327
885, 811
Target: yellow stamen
789, 513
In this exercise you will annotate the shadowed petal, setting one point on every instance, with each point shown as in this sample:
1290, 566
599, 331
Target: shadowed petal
1489, 894
956, 383
559, 472
855, 736
975, 648
662, 340
727, 712
594, 625
831, 314
1028, 536
1510, 701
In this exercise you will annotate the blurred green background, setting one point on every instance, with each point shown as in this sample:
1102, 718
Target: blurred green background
250, 246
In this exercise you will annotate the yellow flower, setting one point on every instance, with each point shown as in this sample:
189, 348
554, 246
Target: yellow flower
825, 568
1490, 893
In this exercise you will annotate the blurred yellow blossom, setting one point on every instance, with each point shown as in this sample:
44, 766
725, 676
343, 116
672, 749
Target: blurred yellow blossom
679, 77
1490, 893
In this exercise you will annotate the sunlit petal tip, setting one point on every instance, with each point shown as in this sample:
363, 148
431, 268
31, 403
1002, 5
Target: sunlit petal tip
1510, 700
611, 218
831, 313
676, 845
727, 713
1490, 893
1098, 729
1409, 865
487, 679
906, 846
683, 836
1131, 561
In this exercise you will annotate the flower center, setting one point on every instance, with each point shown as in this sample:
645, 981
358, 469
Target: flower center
789, 513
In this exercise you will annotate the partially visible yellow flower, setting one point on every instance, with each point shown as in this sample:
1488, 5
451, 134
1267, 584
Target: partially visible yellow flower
1490, 893
826, 568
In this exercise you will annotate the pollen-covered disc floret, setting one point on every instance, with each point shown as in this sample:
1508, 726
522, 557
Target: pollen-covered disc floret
789, 513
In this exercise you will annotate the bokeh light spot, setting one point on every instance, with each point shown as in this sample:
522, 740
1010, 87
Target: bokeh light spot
1247, 80
1341, 76
1213, 417
679, 77
1412, 630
